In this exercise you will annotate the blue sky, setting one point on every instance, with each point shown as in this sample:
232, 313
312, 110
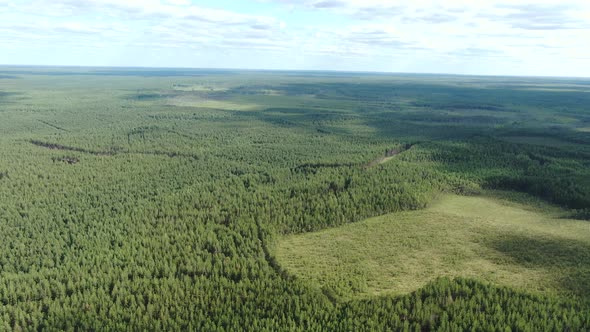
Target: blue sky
491, 37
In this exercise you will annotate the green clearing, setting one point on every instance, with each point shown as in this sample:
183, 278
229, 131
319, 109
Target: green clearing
484, 237
211, 103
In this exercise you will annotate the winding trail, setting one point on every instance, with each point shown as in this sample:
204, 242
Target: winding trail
53, 146
389, 154
53, 126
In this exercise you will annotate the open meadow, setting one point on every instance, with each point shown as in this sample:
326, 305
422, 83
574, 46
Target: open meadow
504, 243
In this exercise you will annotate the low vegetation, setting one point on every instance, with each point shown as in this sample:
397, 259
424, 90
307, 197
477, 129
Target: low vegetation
527, 248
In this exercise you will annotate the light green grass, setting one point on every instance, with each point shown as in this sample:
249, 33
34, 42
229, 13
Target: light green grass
199, 88
527, 246
195, 101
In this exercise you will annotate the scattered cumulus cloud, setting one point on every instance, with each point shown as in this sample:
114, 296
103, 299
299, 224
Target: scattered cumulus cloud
372, 34
539, 16
160, 23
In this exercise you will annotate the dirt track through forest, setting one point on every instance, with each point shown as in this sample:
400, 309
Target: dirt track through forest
53, 146
389, 154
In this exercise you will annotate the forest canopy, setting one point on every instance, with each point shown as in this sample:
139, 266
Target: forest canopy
153, 201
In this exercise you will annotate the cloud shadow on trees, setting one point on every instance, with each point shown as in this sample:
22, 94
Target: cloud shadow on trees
567, 259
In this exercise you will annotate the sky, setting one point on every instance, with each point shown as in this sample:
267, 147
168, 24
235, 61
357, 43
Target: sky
486, 37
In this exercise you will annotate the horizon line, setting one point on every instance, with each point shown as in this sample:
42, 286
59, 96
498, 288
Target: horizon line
289, 70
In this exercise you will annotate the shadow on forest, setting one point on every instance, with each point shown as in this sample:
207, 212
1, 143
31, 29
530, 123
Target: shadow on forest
113, 151
490, 95
8, 94
437, 110
386, 125
567, 260
433, 110
7, 98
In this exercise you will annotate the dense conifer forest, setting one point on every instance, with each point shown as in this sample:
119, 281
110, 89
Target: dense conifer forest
152, 199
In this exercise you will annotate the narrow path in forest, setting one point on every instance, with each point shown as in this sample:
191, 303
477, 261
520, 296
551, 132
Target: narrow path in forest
389, 154
53, 146
53, 126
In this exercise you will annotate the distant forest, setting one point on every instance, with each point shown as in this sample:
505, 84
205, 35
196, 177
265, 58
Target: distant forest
148, 199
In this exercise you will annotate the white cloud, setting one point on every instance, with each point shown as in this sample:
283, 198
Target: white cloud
154, 22
350, 31
179, 2
523, 14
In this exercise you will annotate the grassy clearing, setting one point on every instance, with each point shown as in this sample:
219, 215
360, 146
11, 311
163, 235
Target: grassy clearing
524, 245
195, 101
198, 88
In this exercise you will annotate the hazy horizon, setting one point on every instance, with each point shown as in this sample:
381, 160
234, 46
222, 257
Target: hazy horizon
229, 69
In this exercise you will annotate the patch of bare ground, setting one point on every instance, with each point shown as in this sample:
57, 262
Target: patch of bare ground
389, 154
